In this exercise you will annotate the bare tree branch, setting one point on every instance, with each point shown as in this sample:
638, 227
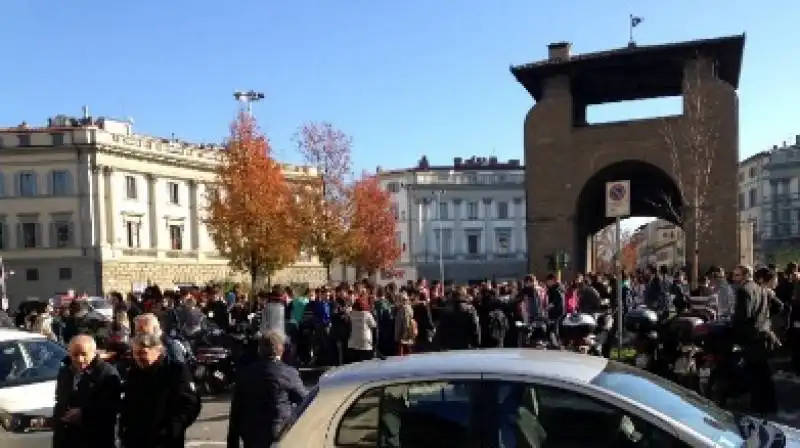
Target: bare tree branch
665, 204
692, 142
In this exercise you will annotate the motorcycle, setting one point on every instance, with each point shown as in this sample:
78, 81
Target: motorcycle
577, 332
643, 323
685, 351
722, 375
534, 335
209, 359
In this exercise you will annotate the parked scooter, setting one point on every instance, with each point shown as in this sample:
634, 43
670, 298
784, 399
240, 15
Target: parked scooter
685, 352
577, 332
643, 323
721, 366
534, 334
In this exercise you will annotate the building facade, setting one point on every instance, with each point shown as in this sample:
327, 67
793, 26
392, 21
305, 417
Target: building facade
88, 205
660, 243
464, 222
779, 232
752, 189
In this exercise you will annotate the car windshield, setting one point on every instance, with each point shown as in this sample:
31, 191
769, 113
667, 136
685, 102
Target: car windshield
670, 399
27, 361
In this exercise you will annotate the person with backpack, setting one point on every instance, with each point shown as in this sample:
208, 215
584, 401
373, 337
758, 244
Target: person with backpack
498, 324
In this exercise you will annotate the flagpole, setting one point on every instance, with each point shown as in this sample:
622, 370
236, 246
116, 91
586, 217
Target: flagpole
630, 29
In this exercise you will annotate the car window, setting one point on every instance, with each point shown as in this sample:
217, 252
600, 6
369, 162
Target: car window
668, 398
29, 361
419, 415
528, 416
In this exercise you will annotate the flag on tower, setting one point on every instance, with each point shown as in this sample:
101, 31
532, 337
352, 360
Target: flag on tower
635, 21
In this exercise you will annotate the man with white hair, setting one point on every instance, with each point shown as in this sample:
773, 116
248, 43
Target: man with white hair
148, 323
87, 398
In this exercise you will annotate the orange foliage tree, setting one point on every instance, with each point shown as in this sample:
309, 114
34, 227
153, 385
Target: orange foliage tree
372, 224
323, 208
251, 208
630, 256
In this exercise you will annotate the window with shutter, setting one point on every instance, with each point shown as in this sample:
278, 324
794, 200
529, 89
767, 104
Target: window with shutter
3, 236
28, 235
58, 183
2, 185
26, 184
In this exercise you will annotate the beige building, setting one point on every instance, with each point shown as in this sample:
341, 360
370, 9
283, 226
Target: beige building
89, 205
660, 243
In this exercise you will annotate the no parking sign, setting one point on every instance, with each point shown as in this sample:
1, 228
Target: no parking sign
618, 199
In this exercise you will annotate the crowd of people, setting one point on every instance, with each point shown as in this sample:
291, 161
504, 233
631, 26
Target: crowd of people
343, 323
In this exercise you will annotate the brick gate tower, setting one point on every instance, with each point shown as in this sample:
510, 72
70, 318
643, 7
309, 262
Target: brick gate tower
666, 159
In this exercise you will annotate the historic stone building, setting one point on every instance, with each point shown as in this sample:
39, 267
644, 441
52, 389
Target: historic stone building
568, 161
86, 204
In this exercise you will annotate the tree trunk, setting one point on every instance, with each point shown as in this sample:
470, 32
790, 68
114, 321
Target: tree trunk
253, 278
328, 272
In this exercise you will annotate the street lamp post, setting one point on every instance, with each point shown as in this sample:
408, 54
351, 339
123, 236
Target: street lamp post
248, 98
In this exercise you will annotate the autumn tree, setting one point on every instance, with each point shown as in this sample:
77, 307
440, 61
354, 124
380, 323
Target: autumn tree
323, 208
692, 141
630, 255
372, 241
251, 212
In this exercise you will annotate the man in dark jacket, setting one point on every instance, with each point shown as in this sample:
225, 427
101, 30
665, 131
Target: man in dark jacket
751, 329
87, 399
556, 305
263, 396
459, 328
160, 402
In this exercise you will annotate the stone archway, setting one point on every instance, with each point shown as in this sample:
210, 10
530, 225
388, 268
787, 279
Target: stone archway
564, 153
654, 193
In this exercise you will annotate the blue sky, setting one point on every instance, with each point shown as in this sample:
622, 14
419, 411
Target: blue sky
403, 78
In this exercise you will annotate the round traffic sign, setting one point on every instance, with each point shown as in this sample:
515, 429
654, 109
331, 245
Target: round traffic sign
617, 192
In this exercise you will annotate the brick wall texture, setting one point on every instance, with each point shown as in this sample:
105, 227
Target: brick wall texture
560, 159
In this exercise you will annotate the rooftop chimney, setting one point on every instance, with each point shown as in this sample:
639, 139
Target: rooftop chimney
797, 140
558, 51
457, 161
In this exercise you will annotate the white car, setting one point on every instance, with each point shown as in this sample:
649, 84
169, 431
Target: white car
29, 365
514, 398
102, 307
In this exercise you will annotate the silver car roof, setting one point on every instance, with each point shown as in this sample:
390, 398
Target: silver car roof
562, 365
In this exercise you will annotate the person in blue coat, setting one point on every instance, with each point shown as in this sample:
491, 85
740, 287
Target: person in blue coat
263, 397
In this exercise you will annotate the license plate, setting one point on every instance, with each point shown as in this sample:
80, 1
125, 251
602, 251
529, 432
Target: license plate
642, 361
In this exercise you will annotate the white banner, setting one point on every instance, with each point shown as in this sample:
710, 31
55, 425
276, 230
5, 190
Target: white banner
618, 199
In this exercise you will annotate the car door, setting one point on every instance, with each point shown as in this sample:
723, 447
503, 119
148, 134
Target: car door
530, 413
414, 413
